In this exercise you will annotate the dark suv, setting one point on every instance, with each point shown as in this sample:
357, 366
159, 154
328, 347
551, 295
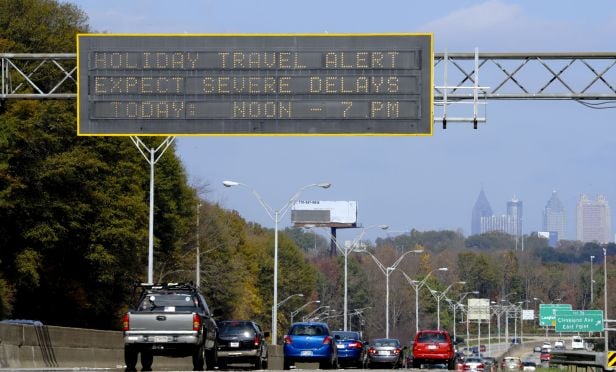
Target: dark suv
433, 347
241, 341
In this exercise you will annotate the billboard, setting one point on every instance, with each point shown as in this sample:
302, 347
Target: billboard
321, 84
478, 309
324, 213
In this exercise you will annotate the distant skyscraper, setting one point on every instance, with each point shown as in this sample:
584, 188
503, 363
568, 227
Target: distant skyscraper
514, 210
482, 208
594, 221
554, 217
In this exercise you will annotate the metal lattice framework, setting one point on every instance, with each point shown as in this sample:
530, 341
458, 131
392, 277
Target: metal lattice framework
517, 76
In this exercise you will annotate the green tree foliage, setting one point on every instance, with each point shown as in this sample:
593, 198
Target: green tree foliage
490, 241
73, 211
480, 272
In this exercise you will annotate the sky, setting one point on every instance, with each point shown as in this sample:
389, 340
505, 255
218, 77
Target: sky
526, 149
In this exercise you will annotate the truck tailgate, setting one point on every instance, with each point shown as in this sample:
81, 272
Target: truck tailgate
161, 321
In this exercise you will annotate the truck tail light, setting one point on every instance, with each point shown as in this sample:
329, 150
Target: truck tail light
196, 322
257, 340
327, 340
125, 323
287, 340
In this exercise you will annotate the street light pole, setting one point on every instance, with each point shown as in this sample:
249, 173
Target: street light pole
605, 301
387, 272
591, 283
276, 215
440, 295
297, 311
346, 252
417, 285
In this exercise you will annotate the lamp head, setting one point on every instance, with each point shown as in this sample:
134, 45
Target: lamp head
475, 292
443, 268
383, 227
324, 185
230, 183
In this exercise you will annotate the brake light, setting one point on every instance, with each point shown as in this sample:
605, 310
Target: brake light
287, 340
257, 340
327, 340
397, 351
372, 350
125, 323
355, 345
196, 322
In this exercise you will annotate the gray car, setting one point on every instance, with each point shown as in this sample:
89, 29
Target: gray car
384, 351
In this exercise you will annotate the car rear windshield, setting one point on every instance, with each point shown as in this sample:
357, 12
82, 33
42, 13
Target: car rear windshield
236, 329
347, 335
393, 343
432, 337
308, 330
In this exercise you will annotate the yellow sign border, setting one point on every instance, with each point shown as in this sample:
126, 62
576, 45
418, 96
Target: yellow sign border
429, 34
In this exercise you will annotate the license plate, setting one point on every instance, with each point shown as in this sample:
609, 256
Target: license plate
306, 353
234, 344
340, 346
431, 347
383, 352
161, 339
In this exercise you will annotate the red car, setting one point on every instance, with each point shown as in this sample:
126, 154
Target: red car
433, 347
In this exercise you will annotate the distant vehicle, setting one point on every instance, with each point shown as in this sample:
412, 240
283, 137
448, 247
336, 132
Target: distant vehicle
385, 351
547, 344
473, 364
433, 347
559, 345
516, 340
545, 357
241, 341
171, 319
529, 366
308, 342
537, 349
351, 350
511, 364
577, 343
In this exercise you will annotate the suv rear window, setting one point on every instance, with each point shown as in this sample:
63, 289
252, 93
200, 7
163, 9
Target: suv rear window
432, 337
236, 328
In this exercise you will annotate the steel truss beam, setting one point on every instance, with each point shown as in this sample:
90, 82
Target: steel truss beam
513, 76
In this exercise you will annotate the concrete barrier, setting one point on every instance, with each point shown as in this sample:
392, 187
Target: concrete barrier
31, 346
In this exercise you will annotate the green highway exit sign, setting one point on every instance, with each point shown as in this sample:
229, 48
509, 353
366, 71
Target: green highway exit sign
547, 313
576, 322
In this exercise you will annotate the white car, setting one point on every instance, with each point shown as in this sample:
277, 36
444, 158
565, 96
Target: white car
577, 343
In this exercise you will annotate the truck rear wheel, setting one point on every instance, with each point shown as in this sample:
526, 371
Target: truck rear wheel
211, 358
130, 358
198, 358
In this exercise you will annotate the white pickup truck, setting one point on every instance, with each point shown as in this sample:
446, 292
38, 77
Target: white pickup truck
170, 320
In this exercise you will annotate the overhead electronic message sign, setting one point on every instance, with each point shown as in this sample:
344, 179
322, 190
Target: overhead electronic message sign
255, 84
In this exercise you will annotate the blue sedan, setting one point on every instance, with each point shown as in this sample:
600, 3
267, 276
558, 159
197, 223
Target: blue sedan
309, 342
351, 350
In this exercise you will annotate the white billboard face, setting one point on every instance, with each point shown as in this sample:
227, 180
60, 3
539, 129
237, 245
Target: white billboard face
324, 213
528, 314
478, 309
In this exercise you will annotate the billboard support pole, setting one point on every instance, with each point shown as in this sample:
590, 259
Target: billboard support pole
332, 242
152, 158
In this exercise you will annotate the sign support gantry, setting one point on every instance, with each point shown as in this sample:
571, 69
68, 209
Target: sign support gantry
510, 76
